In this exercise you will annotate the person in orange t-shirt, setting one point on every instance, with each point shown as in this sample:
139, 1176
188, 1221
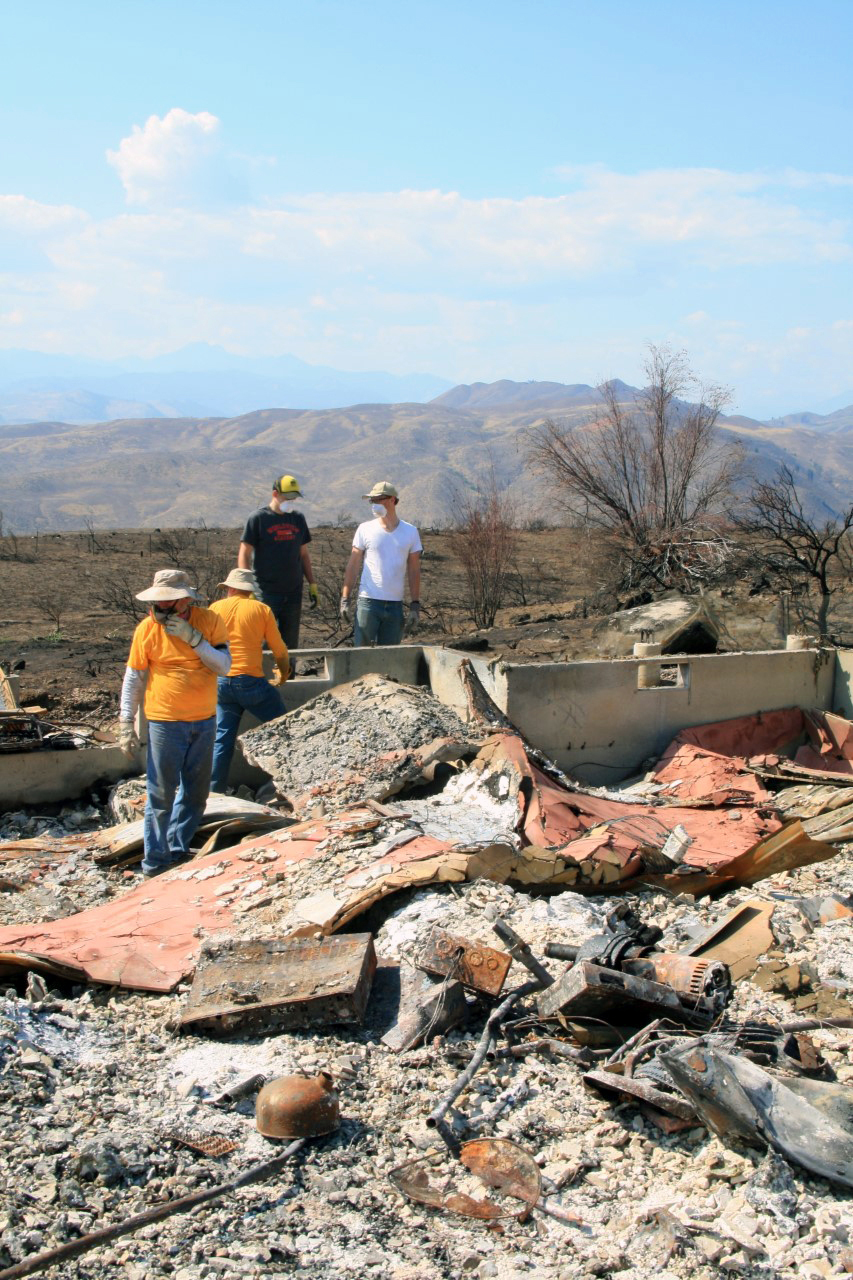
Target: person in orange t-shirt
249, 623
176, 654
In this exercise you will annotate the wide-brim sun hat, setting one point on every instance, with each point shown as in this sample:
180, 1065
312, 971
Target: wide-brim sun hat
382, 489
241, 580
169, 584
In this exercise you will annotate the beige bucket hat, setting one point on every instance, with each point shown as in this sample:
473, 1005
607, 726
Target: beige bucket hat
241, 580
169, 584
382, 489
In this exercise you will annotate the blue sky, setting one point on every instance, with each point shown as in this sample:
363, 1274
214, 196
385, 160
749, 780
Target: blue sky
477, 190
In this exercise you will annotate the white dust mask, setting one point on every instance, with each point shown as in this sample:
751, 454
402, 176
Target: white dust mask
377, 508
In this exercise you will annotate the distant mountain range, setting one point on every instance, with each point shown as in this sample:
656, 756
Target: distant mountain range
198, 381
147, 471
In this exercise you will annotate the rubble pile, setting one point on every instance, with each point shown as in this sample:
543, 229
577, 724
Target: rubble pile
368, 738
531, 1080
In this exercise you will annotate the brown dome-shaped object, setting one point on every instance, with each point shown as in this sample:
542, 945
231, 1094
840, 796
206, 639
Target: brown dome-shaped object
298, 1107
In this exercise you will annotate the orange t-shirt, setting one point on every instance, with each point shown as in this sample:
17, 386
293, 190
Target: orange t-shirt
249, 623
180, 686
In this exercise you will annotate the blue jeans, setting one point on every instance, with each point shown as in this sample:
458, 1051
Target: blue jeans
234, 695
179, 756
378, 621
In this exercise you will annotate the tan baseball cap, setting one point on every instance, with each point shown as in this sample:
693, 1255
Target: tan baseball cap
382, 489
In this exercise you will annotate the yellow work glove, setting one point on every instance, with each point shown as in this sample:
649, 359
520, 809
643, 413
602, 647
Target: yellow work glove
312, 592
283, 672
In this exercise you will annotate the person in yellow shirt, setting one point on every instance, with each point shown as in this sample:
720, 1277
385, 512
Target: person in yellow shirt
176, 654
249, 623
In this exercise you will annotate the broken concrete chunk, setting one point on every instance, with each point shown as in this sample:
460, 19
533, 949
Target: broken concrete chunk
369, 738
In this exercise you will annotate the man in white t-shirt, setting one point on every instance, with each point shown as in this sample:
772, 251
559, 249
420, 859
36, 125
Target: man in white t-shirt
385, 551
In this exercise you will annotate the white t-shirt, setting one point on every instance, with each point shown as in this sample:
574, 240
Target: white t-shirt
386, 554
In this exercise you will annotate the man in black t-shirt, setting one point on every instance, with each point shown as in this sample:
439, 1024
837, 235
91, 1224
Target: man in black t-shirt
275, 544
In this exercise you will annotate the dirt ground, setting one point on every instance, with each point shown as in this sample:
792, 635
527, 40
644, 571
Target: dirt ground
67, 610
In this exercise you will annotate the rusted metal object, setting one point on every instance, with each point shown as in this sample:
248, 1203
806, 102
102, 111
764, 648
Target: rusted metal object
20, 731
520, 951
209, 1144
474, 965
298, 1107
436, 1180
281, 983
690, 978
590, 989
613, 1084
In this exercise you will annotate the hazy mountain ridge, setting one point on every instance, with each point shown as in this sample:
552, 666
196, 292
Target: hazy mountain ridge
145, 472
198, 381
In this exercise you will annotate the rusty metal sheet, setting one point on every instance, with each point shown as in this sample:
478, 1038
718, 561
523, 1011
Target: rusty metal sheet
739, 939
280, 983
473, 964
436, 1180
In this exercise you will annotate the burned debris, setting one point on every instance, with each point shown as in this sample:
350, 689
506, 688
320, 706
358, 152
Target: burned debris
498, 1065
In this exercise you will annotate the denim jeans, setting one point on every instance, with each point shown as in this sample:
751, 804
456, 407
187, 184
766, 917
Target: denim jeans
179, 757
378, 621
234, 695
287, 608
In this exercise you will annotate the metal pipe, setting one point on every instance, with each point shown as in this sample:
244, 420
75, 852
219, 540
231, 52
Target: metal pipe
487, 1039
561, 951
73, 1249
520, 951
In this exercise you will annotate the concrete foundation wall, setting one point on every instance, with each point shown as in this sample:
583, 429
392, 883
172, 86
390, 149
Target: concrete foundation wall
594, 720
842, 692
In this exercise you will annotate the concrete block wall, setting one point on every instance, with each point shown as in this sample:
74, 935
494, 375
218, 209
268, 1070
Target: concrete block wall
595, 721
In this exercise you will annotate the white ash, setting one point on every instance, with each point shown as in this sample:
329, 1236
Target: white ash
92, 1080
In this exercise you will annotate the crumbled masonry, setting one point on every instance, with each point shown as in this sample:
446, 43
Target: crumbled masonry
668, 1098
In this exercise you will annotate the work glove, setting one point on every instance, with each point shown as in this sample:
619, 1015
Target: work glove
346, 610
127, 740
312, 595
414, 619
182, 629
283, 673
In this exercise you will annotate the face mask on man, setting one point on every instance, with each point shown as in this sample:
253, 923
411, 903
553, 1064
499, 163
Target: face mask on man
161, 614
285, 507
377, 508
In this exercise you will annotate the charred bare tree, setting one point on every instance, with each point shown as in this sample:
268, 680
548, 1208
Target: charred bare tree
652, 473
483, 538
807, 556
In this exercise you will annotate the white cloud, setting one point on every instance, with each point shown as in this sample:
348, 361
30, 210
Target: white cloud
171, 160
559, 286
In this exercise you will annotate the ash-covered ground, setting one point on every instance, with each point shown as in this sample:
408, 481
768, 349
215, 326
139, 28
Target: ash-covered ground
94, 1083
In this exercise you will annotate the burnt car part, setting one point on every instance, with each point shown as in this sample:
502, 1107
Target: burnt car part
703, 987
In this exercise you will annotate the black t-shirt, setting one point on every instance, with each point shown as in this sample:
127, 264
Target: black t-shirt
277, 538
